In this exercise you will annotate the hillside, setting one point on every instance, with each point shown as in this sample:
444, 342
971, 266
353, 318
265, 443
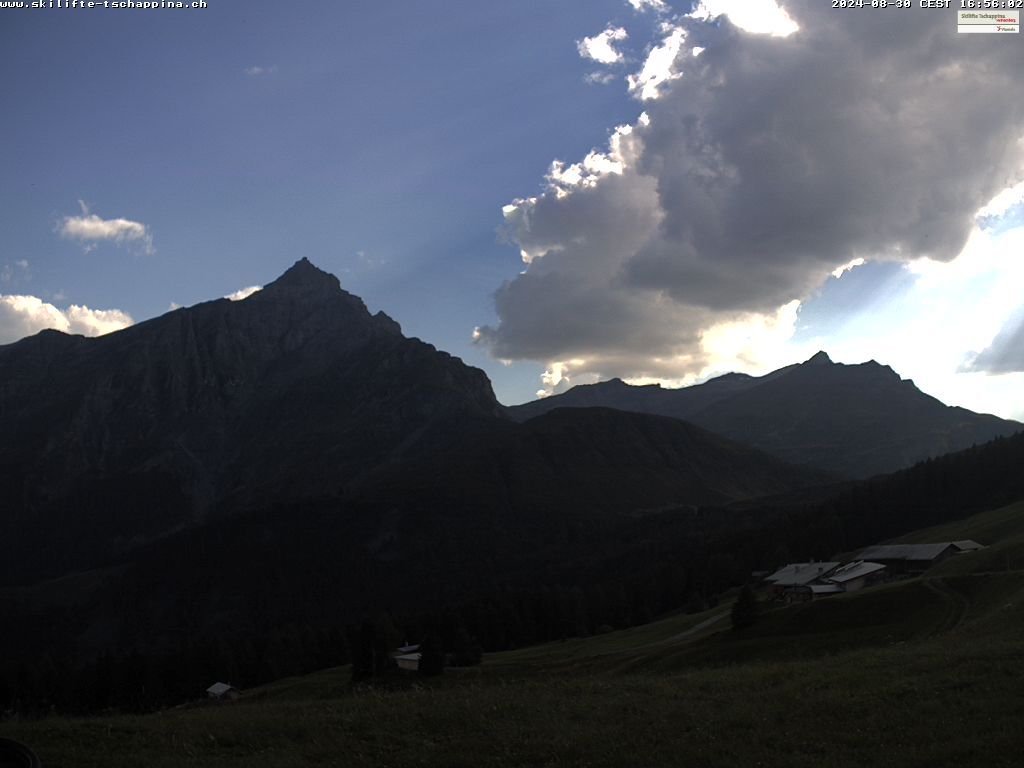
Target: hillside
853, 420
922, 672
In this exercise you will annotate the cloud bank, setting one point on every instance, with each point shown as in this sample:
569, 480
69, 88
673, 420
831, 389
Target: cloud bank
22, 316
777, 157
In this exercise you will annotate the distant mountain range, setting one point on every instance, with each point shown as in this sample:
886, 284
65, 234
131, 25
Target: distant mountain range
297, 392
853, 420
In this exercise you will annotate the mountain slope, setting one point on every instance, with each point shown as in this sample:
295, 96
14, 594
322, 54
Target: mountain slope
855, 420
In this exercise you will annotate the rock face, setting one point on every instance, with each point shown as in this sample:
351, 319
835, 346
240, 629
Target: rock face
854, 420
297, 391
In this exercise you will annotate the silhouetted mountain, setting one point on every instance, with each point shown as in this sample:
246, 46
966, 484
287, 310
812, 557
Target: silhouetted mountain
297, 391
854, 420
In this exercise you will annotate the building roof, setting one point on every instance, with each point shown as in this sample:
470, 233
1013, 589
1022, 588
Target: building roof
798, 574
967, 545
905, 551
219, 689
855, 570
407, 657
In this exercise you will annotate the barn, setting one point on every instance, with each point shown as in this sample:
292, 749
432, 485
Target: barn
857, 575
909, 558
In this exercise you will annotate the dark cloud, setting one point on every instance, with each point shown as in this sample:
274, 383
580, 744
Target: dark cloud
768, 164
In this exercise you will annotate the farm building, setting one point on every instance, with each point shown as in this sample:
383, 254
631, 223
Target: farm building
857, 575
407, 657
909, 558
798, 575
222, 691
967, 545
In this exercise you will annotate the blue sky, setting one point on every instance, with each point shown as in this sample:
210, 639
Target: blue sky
382, 140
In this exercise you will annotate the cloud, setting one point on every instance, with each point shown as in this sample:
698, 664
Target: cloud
599, 78
256, 71
842, 269
1006, 352
90, 228
601, 47
244, 293
658, 6
763, 17
659, 67
18, 270
22, 316
760, 168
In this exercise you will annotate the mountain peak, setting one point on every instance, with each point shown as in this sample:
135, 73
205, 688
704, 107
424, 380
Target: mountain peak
819, 358
304, 275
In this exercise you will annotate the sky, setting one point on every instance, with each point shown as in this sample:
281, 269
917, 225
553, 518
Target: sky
556, 191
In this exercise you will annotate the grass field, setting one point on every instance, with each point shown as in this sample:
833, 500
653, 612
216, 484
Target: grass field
924, 672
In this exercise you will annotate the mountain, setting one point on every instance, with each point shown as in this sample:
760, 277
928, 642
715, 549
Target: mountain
298, 393
853, 420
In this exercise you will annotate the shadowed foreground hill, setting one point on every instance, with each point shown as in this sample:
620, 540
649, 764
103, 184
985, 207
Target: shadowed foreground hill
923, 672
854, 420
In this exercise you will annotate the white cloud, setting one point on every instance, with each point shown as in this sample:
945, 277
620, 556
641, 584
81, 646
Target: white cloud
658, 6
758, 16
256, 71
89, 228
1003, 202
842, 269
659, 67
601, 47
22, 316
244, 293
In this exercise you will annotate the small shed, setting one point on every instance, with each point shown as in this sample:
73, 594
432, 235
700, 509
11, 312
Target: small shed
222, 691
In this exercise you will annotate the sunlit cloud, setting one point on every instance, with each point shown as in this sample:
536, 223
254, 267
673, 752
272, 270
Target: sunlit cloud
22, 316
601, 47
89, 228
244, 293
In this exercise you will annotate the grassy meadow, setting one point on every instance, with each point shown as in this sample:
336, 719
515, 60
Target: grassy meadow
923, 672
